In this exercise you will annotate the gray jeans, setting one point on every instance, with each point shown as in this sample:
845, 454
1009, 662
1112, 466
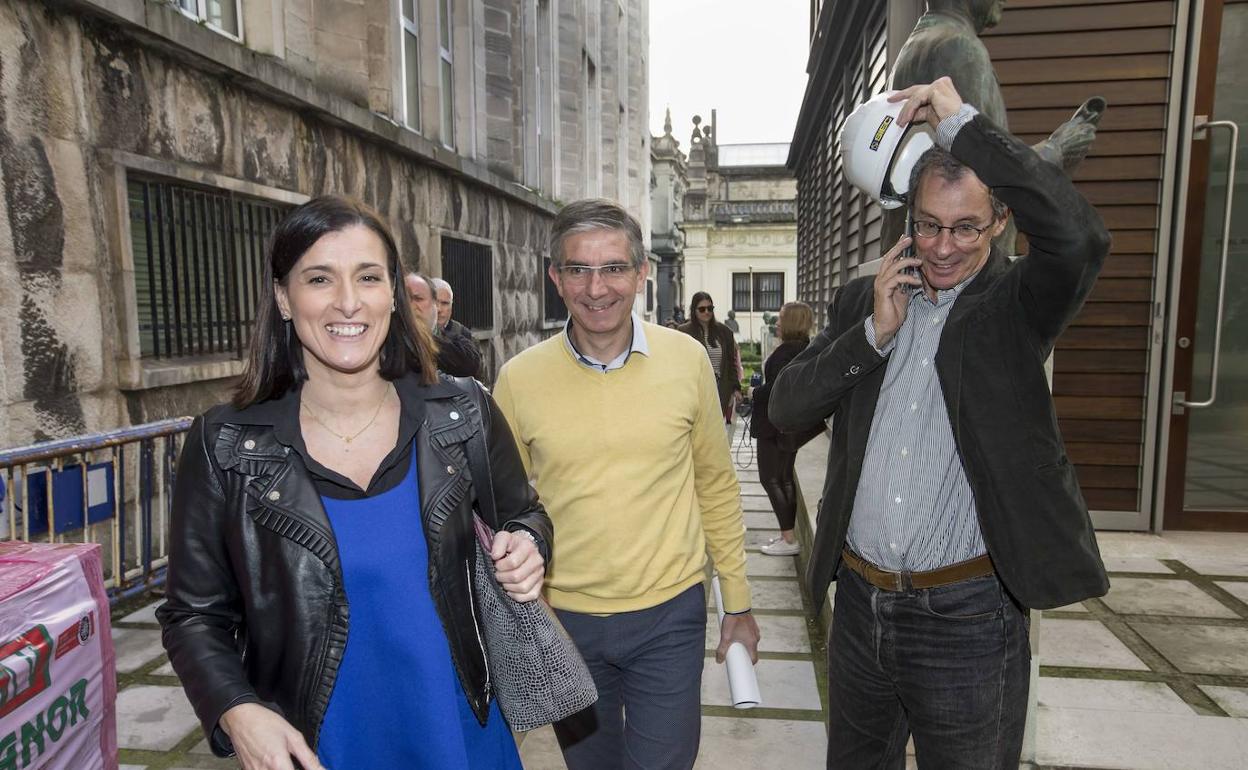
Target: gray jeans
647, 666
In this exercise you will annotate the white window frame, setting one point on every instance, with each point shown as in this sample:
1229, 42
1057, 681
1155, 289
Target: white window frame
446, 101
409, 27
198, 11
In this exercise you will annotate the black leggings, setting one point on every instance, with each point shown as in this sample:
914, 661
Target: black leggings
775, 473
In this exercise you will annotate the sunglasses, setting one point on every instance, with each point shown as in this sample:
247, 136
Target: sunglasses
707, 309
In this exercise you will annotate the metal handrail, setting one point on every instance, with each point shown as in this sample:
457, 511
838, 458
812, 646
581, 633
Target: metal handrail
138, 466
48, 450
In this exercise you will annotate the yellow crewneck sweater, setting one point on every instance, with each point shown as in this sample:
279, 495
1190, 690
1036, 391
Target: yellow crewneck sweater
633, 468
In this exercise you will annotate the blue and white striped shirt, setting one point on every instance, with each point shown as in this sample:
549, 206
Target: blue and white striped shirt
914, 509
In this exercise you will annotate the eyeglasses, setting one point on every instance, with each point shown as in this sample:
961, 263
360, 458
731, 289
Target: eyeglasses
616, 272
706, 309
963, 233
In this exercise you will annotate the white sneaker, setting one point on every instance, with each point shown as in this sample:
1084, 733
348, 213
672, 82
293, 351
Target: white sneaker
777, 546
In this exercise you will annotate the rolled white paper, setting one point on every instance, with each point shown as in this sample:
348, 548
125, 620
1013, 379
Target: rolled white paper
742, 682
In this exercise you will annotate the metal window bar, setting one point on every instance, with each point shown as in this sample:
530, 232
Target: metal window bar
92, 489
768, 291
741, 292
469, 267
198, 263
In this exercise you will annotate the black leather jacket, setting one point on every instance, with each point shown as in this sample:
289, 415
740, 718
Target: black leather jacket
256, 609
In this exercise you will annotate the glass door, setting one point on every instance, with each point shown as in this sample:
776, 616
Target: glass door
1207, 477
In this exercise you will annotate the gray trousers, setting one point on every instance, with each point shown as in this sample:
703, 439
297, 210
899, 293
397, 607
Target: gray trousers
647, 666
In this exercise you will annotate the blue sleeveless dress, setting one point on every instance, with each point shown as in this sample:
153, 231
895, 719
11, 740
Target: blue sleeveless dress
397, 702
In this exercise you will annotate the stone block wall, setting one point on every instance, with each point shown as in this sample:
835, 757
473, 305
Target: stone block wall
81, 96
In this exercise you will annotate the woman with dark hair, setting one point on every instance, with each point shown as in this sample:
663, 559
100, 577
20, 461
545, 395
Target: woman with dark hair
777, 452
720, 346
319, 603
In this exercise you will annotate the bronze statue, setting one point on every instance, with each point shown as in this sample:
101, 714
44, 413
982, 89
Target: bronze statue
945, 41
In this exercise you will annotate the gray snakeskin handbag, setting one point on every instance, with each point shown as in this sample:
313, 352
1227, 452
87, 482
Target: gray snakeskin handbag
535, 670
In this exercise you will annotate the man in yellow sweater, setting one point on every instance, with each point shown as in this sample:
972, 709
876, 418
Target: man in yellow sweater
618, 423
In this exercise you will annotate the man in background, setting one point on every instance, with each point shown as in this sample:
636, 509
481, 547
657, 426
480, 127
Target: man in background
457, 356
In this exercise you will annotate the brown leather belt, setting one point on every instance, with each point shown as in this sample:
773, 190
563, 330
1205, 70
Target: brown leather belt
904, 581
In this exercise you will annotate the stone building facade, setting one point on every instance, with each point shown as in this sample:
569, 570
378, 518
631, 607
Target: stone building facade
669, 181
148, 146
740, 227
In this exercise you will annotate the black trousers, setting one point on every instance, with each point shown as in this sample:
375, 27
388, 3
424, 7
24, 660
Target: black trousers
775, 473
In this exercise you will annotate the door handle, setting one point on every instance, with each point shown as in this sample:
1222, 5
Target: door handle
1226, 242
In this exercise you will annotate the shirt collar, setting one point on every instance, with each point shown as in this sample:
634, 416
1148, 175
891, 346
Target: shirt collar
945, 296
638, 345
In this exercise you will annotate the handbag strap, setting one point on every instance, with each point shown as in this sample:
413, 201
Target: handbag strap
478, 456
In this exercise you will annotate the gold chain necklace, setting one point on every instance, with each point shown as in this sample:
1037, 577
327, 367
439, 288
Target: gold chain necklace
358, 433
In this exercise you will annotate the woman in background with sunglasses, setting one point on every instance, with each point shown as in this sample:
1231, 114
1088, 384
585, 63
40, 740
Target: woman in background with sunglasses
721, 348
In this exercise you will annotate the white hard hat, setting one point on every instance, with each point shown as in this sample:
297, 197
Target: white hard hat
877, 154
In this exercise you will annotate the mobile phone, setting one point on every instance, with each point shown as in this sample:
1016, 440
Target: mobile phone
908, 252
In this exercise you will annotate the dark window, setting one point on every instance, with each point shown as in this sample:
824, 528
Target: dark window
553, 309
768, 292
649, 296
198, 262
469, 267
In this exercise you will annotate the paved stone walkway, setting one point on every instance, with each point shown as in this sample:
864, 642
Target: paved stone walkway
1154, 676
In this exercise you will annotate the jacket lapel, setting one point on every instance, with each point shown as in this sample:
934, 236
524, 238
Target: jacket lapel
280, 494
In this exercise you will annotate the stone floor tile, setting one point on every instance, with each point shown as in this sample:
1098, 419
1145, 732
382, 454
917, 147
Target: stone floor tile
1139, 741
763, 519
772, 595
153, 717
145, 615
1145, 596
1109, 695
132, 767
762, 564
761, 743
779, 633
1199, 649
1135, 564
539, 750
784, 684
1238, 590
1076, 607
750, 486
1236, 567
1084, 644
756, 503
1233, 700
136, 647
755, 538
165, 670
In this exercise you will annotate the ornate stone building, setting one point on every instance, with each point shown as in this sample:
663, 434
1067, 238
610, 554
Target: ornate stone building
669, 181
147, 147
740, 225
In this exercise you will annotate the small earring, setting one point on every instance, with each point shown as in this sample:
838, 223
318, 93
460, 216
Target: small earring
393, 308
285, 317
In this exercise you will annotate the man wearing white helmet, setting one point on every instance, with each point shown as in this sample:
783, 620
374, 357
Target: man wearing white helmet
949, 506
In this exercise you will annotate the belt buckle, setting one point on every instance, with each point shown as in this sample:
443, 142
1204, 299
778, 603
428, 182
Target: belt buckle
903, 577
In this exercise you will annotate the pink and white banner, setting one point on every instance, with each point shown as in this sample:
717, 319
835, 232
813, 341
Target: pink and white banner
58, 679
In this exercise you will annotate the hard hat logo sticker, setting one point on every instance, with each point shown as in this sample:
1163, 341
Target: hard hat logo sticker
879, 132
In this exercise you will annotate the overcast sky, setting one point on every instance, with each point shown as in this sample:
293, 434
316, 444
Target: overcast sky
744, 58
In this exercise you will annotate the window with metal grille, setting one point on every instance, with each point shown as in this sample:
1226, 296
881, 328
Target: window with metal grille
553, 309
469, 269
768, 292
198, 264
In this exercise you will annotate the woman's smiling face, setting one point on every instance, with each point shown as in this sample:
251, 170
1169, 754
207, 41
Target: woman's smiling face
339, 298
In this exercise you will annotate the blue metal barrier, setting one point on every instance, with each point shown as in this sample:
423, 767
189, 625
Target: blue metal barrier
112, 488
